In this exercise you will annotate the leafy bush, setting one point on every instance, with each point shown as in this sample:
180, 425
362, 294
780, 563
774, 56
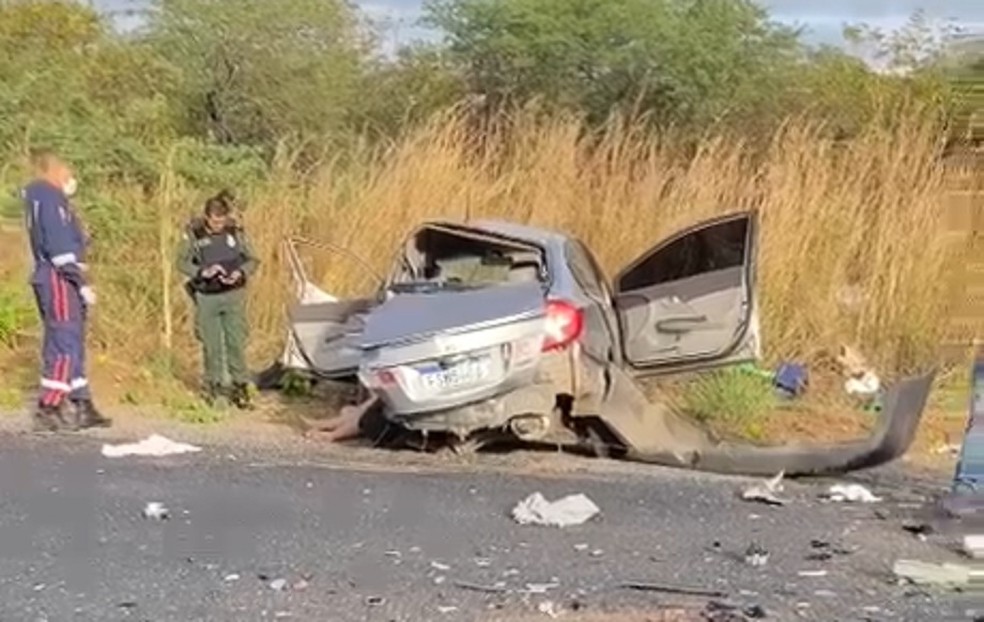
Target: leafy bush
732, 397
16, 313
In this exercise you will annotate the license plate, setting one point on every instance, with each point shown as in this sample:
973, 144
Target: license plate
467, 372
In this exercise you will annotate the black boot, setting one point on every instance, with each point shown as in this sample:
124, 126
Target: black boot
90, 417
52, 418
214, 395
242, 397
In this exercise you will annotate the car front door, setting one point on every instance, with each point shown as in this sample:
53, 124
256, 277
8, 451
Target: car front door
689, 303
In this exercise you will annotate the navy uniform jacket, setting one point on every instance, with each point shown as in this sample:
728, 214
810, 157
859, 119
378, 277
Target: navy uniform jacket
57, 239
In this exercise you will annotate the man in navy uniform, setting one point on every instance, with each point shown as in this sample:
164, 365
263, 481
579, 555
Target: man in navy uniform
58, 244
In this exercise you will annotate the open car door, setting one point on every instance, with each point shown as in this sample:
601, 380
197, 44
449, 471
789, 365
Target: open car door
689, 302
323, 336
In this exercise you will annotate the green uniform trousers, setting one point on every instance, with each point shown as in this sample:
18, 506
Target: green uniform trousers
220, 325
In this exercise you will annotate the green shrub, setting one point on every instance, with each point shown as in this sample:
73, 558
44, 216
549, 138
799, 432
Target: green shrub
16, 313
733, 397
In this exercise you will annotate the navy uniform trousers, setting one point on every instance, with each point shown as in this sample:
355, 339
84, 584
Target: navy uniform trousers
63, 316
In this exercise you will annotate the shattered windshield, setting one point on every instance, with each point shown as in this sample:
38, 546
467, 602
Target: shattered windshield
441, 260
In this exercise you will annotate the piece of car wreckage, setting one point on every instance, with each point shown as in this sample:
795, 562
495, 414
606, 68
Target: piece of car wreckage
491, 328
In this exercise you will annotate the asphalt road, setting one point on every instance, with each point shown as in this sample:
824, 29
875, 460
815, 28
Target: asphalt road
382, 545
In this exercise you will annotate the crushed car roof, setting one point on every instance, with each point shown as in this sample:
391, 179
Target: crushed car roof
540, 236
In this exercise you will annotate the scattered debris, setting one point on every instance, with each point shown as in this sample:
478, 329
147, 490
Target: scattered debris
498, 588
973, 546
548, 608
278, 585
154, 445
718, 611
861, 380
571, 510
920, 530
925, 573
812, 573
852, 493
766, 492
865, 385
672, 589
155, 510
824, 551
791, 380
541, 588
755, 555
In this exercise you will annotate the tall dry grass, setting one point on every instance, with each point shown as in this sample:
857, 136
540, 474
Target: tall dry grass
865, 214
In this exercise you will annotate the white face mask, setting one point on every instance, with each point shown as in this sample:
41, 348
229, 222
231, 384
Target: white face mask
71, 187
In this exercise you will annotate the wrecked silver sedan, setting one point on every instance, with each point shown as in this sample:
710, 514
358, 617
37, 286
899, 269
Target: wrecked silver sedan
492, 329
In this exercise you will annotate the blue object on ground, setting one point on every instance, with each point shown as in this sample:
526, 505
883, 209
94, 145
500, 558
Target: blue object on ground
969, 476
791, 379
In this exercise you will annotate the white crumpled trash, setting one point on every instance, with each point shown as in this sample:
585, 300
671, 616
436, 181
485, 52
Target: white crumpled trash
571, 510
154, 445
851, 493
865, 384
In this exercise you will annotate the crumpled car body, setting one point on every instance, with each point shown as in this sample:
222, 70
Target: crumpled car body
493, 328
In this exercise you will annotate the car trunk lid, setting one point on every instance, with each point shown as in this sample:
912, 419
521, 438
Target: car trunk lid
408, 318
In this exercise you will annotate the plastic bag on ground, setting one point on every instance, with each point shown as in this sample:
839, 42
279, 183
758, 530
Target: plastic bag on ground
571, 510
154, 445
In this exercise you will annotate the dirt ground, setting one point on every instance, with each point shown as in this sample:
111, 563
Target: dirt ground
278, 424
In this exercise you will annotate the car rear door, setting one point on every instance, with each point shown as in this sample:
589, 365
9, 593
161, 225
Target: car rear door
689, 302
324, 330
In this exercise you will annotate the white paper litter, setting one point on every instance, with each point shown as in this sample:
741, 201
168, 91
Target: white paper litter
540, 588
154, 445
549, 609
571, 510
852, 493
973, 546
865, 384
155, 510
766, 492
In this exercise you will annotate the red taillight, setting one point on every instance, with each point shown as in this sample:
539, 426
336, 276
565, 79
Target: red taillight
564, 324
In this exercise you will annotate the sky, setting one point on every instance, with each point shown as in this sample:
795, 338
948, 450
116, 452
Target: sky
822, 19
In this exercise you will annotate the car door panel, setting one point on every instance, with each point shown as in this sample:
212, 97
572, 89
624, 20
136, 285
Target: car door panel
695, 314
325, 335
324, 331
690, 301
